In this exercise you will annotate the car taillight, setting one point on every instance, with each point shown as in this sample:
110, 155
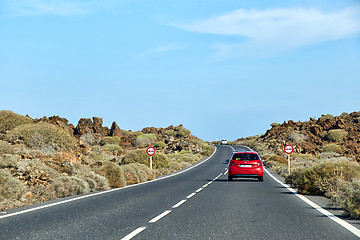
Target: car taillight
259, 163
232, 163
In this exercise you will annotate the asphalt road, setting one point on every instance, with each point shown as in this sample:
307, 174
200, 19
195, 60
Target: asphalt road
197, 204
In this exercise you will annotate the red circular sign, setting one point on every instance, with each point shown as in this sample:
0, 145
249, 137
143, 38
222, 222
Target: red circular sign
288, 149
150, 151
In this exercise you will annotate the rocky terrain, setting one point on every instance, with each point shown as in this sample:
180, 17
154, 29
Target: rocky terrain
47, 158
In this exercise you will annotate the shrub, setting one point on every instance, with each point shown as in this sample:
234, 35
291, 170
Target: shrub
42, 135
297, 137
274, 124
10, 187
114, 174
349, 197
110, 140
90, 139
160, 160
335, 135
145, 140
183, 132
10, 120
344, 114
6, 148
137, 173
70, 185
207, 150
112, 148
321, 179
326, 117
160, 145
95, 181
356, 114
332, 147
170, 132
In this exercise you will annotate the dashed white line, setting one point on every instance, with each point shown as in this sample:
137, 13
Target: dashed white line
191, 195
155, 219
133, 233
205, 185
346, 225
226, 172
179, 204
199, 190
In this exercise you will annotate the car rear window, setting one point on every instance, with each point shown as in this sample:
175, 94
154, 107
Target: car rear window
245, 157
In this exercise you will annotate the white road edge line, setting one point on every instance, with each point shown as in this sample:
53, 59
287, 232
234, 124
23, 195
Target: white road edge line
205, 185
155, 219
191, 195
179, 204
226, 172
104, 192
133, 233
328, 214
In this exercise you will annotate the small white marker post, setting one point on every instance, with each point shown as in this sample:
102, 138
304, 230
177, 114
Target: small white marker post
288, 149
150, 151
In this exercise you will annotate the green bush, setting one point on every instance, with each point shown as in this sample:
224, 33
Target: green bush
170, 132
137, 173
321, 179
6, 148
326, 117
297, 137
336, 135
349, 197
42, 135
183, 132
160, 160
10, 120
145, 140
160, 145
207, 150
10, 187
332, 147
114, 174
70, 185
110, 140
112, 148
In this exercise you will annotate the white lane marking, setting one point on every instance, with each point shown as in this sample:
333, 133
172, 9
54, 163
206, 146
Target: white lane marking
199, 190
104, 192
226, 172
155, 219
205, 185
343, 223
191, 195
133, 233
179, 204
230, 147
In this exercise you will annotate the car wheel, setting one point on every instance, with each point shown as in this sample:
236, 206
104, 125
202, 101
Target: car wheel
230, 178
260, 179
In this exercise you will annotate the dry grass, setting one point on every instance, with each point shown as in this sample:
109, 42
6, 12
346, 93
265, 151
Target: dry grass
10, 120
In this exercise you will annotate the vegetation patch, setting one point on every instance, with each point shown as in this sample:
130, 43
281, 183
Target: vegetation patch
10, 120
336, 135
110, 140
42, 135
146, 140
332, 147
160, 160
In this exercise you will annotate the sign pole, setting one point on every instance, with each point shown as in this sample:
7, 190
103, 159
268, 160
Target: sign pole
150, 162
289, 163
288, 149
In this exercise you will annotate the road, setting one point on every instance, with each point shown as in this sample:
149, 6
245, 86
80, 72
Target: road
197, 204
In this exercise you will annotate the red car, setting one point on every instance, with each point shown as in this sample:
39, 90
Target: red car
246, 164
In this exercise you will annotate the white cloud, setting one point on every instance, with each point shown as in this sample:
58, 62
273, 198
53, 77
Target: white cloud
158, 50
280, 29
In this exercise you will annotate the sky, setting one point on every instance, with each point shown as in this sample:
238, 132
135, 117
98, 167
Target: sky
223, 69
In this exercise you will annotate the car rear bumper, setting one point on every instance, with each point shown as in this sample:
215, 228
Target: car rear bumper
246, 172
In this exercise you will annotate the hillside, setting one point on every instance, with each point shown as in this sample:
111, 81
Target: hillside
325, 159
48, 158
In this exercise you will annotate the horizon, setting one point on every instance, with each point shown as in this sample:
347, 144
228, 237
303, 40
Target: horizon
222, 69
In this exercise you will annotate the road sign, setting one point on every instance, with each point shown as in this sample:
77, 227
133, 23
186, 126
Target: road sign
150, 151
288, 149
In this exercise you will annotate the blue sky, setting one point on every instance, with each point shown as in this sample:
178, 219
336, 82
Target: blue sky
224, 69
